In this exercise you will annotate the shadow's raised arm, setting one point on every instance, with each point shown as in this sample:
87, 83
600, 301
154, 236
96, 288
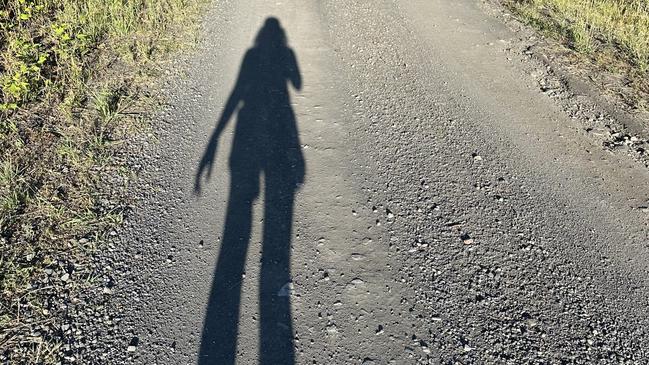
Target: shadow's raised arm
294, 71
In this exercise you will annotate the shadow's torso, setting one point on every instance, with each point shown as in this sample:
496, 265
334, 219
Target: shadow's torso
266, 132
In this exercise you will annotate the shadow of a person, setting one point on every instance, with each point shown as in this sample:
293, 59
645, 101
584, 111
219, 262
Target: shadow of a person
266, 141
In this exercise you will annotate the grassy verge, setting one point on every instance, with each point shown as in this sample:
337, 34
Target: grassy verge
613, 34
72, 76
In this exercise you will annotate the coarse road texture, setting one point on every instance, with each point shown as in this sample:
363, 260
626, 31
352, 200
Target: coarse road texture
388, 186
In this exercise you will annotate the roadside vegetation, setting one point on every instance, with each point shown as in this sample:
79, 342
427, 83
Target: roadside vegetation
73, 77
614, 34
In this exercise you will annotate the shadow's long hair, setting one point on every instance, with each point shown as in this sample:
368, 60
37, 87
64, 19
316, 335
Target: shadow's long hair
271, 34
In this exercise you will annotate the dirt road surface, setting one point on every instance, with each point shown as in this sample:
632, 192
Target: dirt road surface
378, 182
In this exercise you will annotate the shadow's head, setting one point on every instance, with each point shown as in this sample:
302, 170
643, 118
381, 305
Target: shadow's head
271, 34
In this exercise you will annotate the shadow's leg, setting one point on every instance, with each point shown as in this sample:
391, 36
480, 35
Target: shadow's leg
276, 335
219, 342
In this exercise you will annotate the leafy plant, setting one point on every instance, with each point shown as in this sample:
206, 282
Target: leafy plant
69, 71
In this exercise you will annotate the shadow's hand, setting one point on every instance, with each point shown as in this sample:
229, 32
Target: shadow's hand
205, 168
299, 168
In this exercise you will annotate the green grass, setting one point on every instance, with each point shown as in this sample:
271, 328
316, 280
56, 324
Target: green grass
612, 33
72, 76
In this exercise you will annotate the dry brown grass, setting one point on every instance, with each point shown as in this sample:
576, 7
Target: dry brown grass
612, 34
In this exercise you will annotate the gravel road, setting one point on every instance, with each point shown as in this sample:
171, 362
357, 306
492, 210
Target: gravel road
384, 182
